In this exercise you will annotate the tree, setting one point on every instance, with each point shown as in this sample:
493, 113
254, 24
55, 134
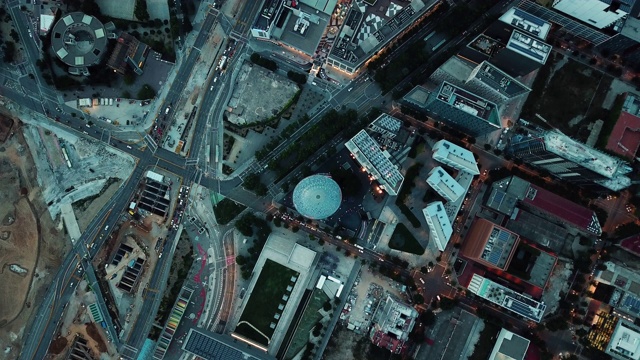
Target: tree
419, 299
9, 52
140, 11
487, 147
428, 318
326, 306
146, 92
241, 260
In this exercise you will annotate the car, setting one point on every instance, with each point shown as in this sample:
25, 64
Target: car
351, 88
106, 228
128, 147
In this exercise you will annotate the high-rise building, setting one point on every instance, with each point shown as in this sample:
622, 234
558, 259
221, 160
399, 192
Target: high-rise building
446, 186
571, 161
455, 156
462, 110
625, 341
439, 225
522, 54
490, 244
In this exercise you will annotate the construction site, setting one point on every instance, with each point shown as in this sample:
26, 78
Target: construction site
31, 243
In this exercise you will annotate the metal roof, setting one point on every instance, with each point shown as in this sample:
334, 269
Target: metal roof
317, 197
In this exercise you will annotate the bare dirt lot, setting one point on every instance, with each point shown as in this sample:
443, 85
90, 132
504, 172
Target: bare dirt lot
29, 239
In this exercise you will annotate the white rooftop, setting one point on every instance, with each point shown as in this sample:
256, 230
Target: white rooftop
509, 346
625, 341
439, 224
444, 184
529, 46
507, 298
593, 12
368, 154
527, 22
590, 158
455, 156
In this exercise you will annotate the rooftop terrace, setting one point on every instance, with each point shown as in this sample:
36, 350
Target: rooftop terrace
526, 22
507, 298
529, 47
590, 158
468, 102
368, 153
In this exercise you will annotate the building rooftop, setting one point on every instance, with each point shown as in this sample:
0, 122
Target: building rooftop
79, 39
497, 80
368, 28
590, 158
392, 323
325, 6
444, 184
418, 96
509, 346
439, 224
526, 22
625, 341
209, 345
597, 13
507, 192
317, 197
455, 156
480, 49
490, 244
469, 103
368, 153
314, 26
625, 136
507, 298
386, 125
529, 46
571, 26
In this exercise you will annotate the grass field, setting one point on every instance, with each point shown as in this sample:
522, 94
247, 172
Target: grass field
403, 240
263, 303
310, 318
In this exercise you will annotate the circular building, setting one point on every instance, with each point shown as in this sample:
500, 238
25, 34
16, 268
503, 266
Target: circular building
79, 39
317, 197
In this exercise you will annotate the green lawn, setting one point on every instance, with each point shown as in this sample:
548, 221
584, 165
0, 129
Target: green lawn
310, 318
403, 240
263, 303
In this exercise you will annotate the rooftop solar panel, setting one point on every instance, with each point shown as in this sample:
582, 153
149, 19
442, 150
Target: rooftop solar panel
525, 15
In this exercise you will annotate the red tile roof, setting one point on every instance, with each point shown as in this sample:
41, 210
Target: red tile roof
625, 136
564, 209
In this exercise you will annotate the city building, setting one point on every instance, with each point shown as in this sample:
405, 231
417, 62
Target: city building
490, 244
376, 161
510, 194
597, 13
463, 110
442, 183
488, 80
625, 136
625, 341
392, 322
506, 298
129, 53
455, 157
370, 26
439, 224
47, 16
619, 286
209, 345
522, 54
518, 19
514, 43
571, 161
509, 346
317, 197
80, 40
296, 25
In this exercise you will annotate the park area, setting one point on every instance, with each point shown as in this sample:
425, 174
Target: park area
564, 94
262, 306
308, 321
403, 240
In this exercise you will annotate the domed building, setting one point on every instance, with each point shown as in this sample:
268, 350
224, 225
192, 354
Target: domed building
317, 197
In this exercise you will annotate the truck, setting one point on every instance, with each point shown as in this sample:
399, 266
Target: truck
222, 63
